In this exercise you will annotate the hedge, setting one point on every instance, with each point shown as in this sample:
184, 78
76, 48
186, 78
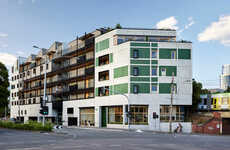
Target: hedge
31, 125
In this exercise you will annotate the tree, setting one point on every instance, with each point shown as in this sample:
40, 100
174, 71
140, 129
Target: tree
4, 84
197, 91
227, 90
118, 26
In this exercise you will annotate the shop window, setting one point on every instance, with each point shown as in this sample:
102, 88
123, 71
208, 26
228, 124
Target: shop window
115, 114
178, 113
87, 117
139, 115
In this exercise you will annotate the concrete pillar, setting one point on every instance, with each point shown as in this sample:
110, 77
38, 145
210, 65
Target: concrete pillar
97, 116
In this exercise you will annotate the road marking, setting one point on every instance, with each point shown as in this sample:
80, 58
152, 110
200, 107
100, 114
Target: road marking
114, 145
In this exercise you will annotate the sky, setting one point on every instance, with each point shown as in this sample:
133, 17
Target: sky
24, 23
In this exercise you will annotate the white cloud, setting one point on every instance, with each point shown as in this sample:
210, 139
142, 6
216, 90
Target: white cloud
3, 35
7, 59
168, 23
217, 31
187, 26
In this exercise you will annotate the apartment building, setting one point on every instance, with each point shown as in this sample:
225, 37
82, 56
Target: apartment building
69, 76
16, 84
225, 77
137, 68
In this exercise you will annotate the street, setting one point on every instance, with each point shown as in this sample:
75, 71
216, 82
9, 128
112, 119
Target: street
103, 139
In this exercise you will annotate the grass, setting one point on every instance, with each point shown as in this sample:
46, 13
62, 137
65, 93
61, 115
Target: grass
31, 125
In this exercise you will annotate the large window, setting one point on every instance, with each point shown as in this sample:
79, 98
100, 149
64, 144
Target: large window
87, 116
104, 60
104, 75
139, 114
178, 113
115, 115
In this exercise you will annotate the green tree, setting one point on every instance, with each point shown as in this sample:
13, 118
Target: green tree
4, 84
227, 90
118, 26
197, 91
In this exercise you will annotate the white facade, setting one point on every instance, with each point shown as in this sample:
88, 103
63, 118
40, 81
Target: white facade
121, 56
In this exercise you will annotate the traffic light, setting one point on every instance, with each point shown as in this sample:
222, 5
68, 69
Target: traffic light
44, 110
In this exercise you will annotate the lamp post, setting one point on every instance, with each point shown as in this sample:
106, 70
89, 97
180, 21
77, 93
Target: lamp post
44, 94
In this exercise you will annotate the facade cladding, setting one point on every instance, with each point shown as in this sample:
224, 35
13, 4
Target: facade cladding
133, 67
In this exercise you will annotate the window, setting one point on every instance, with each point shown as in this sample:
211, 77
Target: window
115, 114
103, 91
163, 71
154, 71
25, 112
47, 66
154, 88
103, 75
154, 54
41, 68
135, 53
119, 41
104, 60
178, 113
139, 115
135, 71
28, 73
70, 110
12, 78
17, 76
135, 89
34, 71
173, 55
87, 116
34, 100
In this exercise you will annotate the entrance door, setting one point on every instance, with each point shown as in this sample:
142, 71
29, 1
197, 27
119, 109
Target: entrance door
226, 126
103, 117
72, 121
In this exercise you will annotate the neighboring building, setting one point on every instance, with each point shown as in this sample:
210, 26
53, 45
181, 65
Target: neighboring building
225, 77
16, 84
136, 67
70, 76
93, 80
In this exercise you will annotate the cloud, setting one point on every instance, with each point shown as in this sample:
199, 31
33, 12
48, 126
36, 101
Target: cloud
187, 26
3, 35
217, 31
7, 59
168, 23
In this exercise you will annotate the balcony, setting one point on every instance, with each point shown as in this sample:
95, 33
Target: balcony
89, 71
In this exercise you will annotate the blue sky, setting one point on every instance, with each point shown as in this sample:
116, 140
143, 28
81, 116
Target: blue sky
206, 23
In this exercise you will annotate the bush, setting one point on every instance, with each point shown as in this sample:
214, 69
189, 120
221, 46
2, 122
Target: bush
31, 125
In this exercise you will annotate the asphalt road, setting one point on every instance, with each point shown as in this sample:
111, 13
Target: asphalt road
107, 139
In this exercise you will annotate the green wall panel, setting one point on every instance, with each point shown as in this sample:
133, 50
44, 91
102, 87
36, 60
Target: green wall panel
96, 92
169, 70
140, 79
111, 57
111, 90
154, 79
154, 62
140, 61
142, 87
143, 70
140, 44
120, 88
97, 61
184, 54
143, 52
121, 72
102, 45
154, 44
165, 88
165, 53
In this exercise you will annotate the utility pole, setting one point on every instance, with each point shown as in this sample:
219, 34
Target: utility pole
171, 104
44, 94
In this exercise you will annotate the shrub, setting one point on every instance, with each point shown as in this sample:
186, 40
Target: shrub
30, 125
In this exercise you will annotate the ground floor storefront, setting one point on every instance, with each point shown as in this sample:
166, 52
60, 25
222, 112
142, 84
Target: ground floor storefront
144, 116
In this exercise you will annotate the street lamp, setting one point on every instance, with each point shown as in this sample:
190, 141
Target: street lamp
44, 95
